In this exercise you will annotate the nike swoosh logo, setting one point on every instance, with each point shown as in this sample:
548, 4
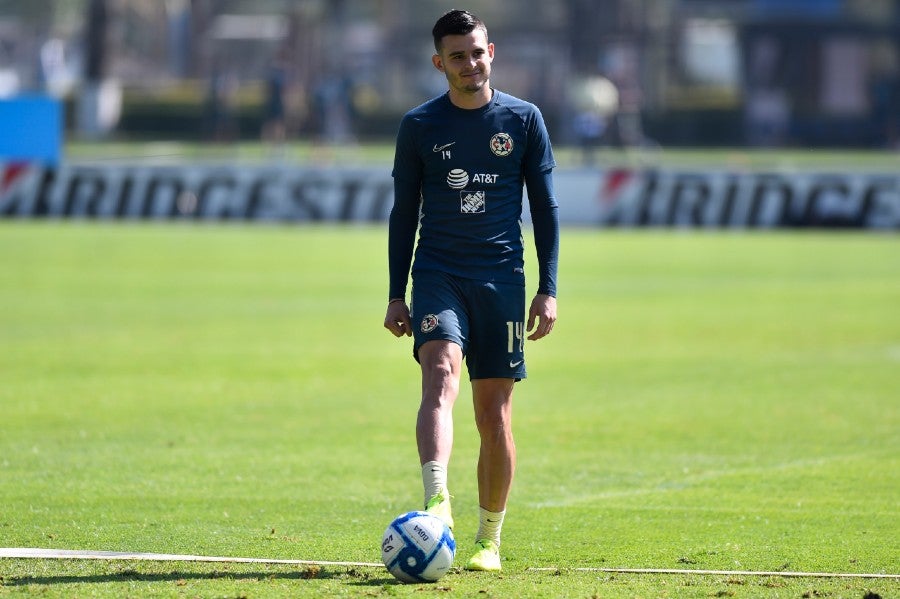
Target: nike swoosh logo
438, 148
514, 364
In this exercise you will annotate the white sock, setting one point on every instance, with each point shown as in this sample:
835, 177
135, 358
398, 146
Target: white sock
434, 478
489, 525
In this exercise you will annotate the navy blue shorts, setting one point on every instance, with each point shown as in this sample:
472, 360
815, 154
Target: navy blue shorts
487, 320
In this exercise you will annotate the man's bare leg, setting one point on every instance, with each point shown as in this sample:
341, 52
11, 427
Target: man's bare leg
441, 363
496, 466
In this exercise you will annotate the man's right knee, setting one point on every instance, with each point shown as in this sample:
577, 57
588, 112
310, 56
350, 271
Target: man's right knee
441, 362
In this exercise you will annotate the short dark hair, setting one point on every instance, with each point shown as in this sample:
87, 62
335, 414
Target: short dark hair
456, 22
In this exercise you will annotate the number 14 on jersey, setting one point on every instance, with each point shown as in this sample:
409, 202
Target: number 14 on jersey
515, 336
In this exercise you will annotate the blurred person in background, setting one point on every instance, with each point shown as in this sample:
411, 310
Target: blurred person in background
221, 125
274, 129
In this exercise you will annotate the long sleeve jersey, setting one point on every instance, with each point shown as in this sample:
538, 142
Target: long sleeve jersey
458, 181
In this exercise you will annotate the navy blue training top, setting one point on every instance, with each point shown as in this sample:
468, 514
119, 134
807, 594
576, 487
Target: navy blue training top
458, 179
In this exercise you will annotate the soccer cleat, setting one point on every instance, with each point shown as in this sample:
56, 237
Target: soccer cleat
486, 557
439, 505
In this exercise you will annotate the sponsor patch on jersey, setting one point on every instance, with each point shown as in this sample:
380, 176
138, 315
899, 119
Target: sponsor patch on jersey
484, 178
457, 178
471, 202
501, 144
429, 323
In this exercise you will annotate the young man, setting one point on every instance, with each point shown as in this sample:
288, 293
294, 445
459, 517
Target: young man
459, 168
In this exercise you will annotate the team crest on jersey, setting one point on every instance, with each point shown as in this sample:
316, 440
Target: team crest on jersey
457, 178
502, 144
471, 202
429, 323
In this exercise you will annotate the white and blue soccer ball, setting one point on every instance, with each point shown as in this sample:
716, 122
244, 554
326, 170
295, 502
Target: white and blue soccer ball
418, 547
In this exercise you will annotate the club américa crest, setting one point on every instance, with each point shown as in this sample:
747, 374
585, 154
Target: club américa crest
429, 323
501, 144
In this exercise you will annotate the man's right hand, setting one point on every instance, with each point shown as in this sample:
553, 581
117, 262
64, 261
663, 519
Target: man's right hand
396, 320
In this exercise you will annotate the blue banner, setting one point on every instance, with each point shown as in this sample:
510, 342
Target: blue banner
31, 129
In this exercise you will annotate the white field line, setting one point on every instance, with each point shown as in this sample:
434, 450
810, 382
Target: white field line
692, 479
165, 557
28, 553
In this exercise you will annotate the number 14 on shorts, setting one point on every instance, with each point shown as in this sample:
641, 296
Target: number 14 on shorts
515, 336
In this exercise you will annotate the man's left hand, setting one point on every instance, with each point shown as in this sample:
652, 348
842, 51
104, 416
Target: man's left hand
542, 312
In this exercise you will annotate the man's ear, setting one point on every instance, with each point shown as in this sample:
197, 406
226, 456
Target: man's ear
436, 61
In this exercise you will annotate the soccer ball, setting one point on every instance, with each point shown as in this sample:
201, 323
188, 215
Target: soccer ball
418, 547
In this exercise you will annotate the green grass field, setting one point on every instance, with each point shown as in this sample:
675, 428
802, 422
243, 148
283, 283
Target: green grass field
723, 401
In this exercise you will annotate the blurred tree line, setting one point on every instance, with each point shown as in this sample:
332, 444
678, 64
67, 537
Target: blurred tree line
623, 72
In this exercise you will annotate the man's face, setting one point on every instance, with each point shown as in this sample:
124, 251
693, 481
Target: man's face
466, 61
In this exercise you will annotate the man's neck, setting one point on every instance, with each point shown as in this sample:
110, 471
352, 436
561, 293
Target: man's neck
471, 101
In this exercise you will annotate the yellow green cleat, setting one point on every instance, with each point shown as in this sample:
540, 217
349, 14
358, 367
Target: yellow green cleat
439, 505
486, 557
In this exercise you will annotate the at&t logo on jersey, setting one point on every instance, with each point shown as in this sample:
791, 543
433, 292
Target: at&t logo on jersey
501, 144
457, 179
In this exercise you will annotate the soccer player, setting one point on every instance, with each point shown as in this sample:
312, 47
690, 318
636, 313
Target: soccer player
460, 164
